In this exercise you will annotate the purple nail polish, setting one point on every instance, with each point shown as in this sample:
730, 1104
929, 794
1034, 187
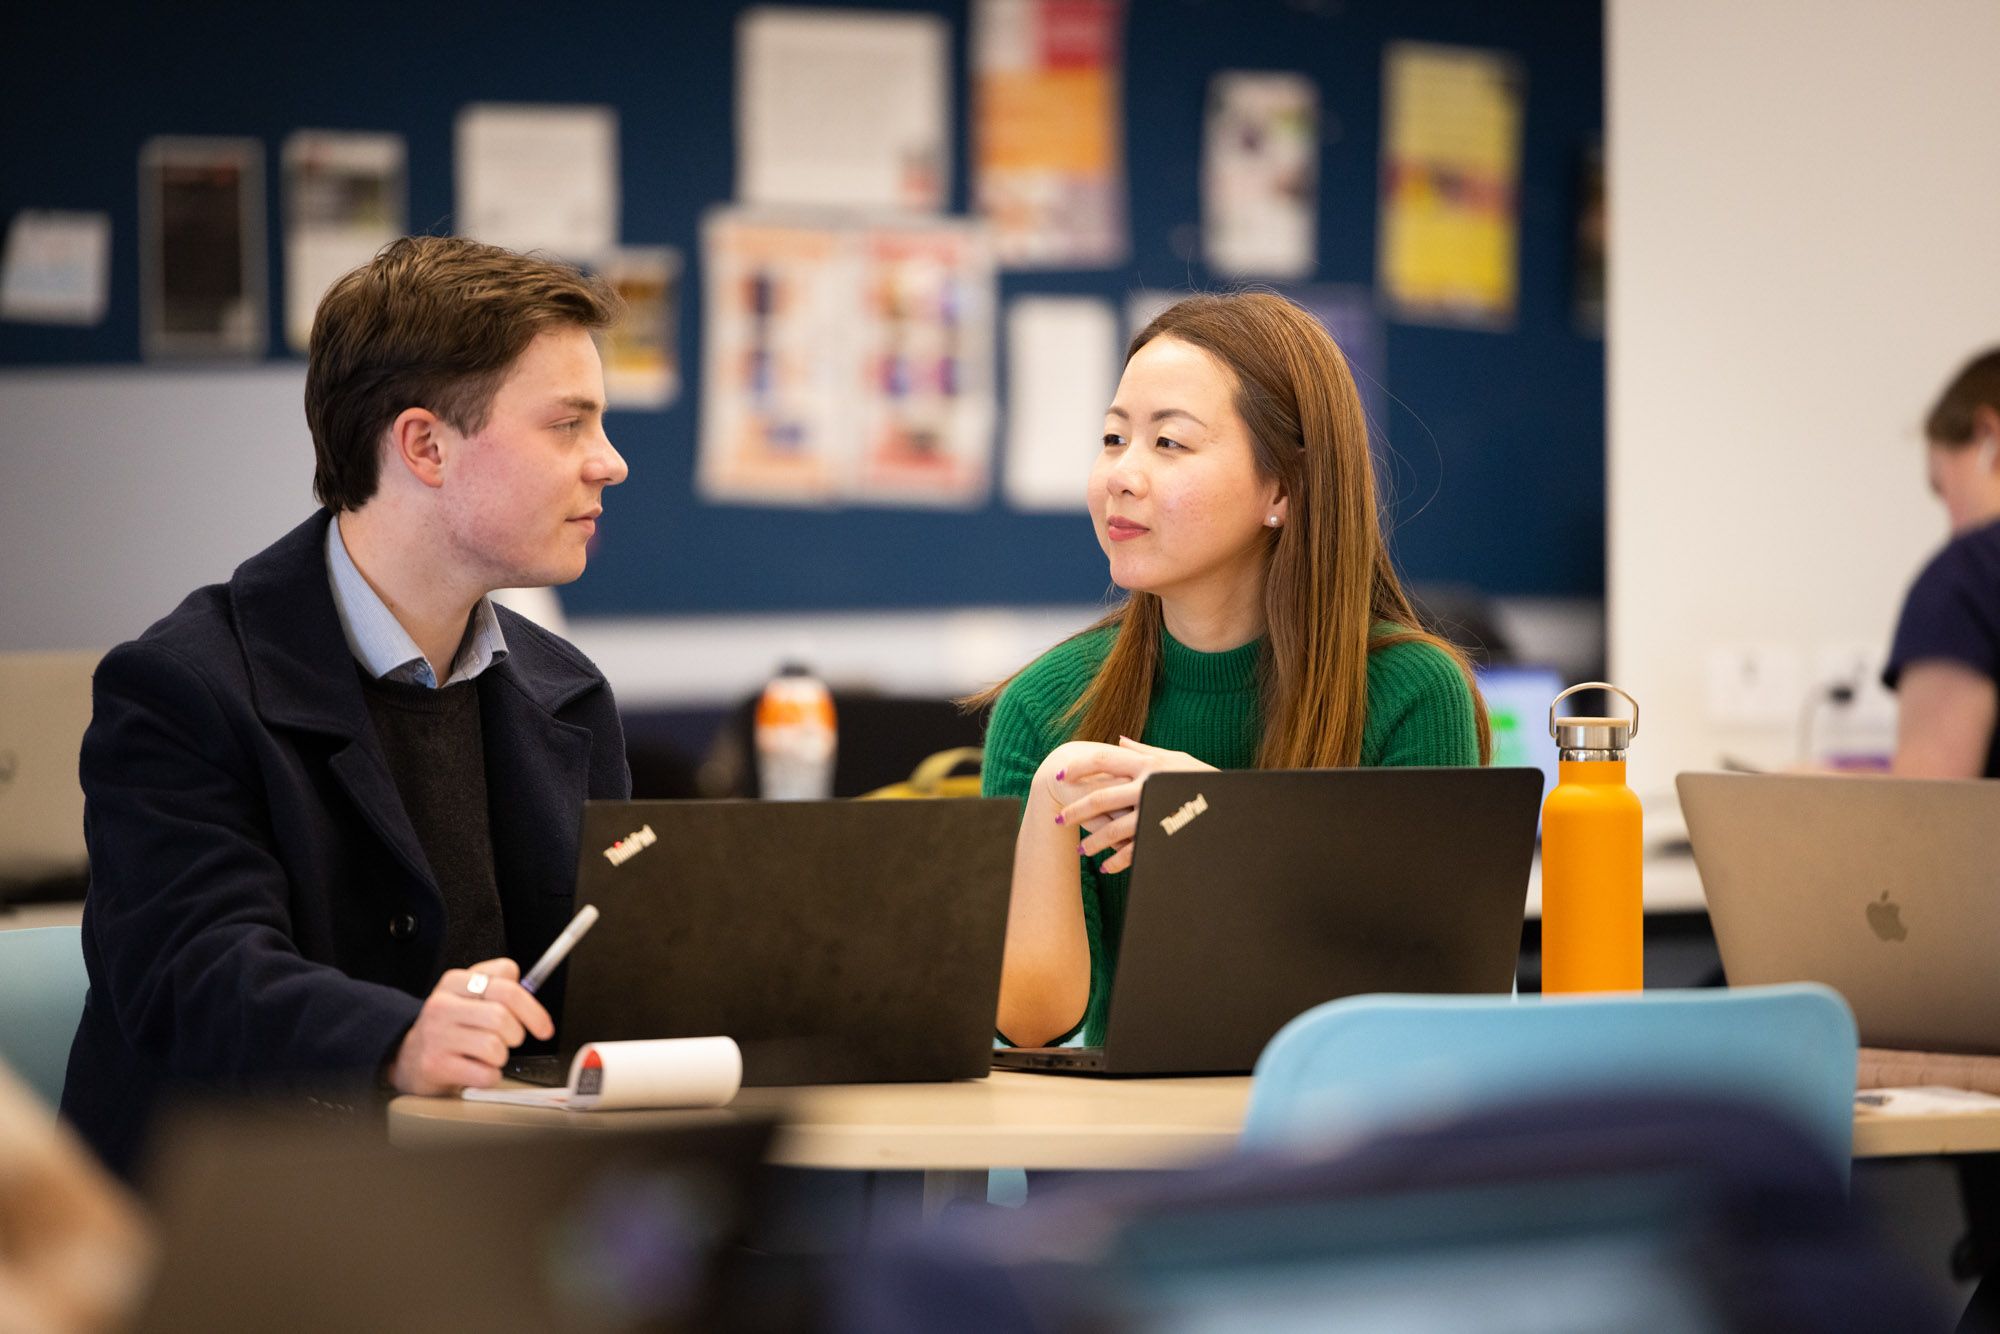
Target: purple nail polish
1059, 818
1060, 773
1080, 852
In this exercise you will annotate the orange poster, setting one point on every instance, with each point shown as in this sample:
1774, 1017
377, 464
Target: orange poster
1048, 150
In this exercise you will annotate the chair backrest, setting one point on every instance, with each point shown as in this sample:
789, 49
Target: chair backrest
42, 982
1354, 1066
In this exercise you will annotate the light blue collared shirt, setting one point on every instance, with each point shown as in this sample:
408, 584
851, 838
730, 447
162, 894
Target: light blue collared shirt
381, 644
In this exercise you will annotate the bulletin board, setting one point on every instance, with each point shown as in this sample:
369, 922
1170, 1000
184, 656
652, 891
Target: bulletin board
1493, 440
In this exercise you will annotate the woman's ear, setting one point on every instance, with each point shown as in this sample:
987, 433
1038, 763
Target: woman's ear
1276, 515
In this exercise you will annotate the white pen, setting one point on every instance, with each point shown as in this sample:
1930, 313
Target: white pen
559, 948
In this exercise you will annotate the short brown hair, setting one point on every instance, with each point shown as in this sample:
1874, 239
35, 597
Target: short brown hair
1976, 386
432, 322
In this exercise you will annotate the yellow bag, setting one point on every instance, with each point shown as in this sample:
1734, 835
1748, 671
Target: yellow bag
934, 777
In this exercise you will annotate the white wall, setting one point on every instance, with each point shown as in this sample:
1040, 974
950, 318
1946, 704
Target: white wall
123, 489
1805, 244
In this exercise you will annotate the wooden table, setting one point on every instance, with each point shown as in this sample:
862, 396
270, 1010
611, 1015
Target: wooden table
1013, 1119
953, 1133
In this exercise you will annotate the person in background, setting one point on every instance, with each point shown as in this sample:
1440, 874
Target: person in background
1234, 498
330, 802
1945, 662
74, 1249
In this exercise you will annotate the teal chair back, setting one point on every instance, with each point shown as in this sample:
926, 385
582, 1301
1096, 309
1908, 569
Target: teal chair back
41, 998
1367, 1063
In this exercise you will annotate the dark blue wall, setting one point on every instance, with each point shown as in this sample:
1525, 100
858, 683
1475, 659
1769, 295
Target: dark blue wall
1497, 437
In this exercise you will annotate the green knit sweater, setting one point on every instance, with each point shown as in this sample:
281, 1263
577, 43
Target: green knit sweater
1420, 711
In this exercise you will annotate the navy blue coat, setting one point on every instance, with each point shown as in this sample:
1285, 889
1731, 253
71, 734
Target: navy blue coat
260, 915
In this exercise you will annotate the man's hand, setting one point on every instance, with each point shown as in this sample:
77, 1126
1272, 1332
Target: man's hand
470, 1021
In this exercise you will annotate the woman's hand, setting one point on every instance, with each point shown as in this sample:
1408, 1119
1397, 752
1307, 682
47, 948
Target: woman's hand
1097, 789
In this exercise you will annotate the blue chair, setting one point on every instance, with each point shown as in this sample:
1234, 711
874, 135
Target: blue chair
1366, 1063
41, 998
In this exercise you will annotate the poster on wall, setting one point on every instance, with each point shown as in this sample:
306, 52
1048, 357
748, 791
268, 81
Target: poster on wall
1062, 369
1260, 176
346, 196
1048, 134
57, 267
926, 365
640, 351
1451, 157
845, 361
843, 108
201, 248
770, 392
534, 177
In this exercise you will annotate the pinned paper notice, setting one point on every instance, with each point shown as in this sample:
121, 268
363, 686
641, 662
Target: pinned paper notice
534, 177
56, 269
1062, 358
653, 1072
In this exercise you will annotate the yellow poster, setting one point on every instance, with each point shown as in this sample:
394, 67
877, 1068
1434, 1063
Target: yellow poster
1451, 166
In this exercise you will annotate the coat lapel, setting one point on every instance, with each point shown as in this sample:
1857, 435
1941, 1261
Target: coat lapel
537, 772
303, 676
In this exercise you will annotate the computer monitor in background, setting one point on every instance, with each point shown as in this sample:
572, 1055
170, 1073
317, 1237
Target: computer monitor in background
1517, 709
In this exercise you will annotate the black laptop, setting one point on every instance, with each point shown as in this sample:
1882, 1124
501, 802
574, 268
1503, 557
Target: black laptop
1258, 894
838, 942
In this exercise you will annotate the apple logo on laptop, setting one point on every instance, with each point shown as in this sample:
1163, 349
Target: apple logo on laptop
1885, 919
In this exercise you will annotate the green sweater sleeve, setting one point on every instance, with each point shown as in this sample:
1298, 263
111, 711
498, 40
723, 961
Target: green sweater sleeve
1420, 709
1019, 736
1015, 748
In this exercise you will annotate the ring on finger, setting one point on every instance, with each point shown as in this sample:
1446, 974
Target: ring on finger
476, 984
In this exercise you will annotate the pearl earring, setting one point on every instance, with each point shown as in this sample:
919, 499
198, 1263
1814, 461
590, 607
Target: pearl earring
1271, 522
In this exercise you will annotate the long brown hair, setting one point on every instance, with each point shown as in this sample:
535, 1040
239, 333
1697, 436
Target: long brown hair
1329, 583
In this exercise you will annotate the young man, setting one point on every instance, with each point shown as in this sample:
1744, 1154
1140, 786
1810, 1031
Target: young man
330, 802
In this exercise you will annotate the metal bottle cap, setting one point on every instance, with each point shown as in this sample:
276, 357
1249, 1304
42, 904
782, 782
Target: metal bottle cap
1593, 738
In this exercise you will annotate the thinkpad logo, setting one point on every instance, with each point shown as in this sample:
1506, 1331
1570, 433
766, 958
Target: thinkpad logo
1180, 819
630, 846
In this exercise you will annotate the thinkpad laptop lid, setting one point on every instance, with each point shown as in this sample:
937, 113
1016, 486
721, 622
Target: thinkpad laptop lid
1258, 894
836, 941
1885, 889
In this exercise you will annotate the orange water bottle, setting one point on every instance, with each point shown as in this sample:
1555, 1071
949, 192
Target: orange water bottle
1593, 914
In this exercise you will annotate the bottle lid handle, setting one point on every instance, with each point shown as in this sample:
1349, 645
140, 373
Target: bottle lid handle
1593, 685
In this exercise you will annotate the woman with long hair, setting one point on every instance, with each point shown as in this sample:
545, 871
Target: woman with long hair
1234, 497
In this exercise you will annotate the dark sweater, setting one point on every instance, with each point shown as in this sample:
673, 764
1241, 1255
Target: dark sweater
437, 757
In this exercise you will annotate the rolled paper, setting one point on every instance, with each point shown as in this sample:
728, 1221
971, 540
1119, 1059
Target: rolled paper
648, 1072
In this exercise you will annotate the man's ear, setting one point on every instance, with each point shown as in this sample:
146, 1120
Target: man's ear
416, 444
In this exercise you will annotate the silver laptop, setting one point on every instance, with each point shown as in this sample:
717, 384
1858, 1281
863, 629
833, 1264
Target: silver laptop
1885, 889
44, 708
